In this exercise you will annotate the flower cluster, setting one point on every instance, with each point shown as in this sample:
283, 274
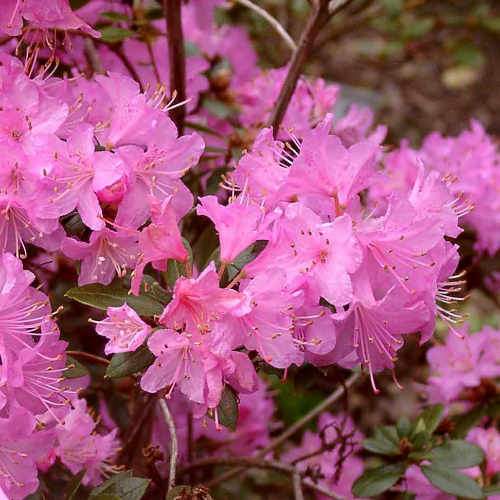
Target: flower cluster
41, 417
329, 248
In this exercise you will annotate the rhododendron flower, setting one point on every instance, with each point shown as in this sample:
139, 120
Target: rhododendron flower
462, 362
198, 302
21, 447
107, 253
489, 441
79, 447
124, 328
159, 241
228, 220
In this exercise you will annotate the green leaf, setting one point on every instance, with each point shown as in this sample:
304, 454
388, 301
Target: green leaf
77, 369
380, 446
457, 454
403, 427
492, 489
115, 16
451, 481
114, 34
127, 363
227, 409
246, 256
114, 295
122, 486
218, 108
154, 290
430, 417
74, 485
462, 423
375, 481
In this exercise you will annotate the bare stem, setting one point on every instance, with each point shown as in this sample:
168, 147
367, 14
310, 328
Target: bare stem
297, 487
176, 59
325, 404
173, 442
88, 356
93, 57
272, 21
259, 463
317, 19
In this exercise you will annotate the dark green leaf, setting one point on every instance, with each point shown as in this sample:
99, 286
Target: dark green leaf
154, 290
403, 427
77, 4
122, 486
462, 423
246, 256
451, 481
74, 485
127, 363
77, 369
115, 16
218, 108
114, 295
227, 408
113, 34
457, 454
380, 446
375, 481
431, 417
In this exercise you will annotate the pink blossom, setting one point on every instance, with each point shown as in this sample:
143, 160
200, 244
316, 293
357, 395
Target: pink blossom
124, 329
107, 253
80, 447
198, 302
159, 241
489, 441
22, 446
237, 224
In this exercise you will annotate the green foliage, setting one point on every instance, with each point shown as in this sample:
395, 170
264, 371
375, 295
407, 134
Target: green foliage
122, 486
114, 34
124, 364
115, 295
377, 480
418, 443
451, 481
227, 409
75, 368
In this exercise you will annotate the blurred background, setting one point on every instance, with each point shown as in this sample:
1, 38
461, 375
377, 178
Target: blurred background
423, 65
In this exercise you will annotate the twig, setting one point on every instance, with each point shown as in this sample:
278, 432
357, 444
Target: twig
316, 20
259, 463
176, 59
126, 62
93, 57
297, 487
272, 21
88, 356
292, 429
173, 442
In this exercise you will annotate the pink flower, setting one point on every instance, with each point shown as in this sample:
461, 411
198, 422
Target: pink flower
374, 327
21, 447
489, 441
79, 175
80, 447
124, 328
107, 253
159, 241
327, 176
417, 483
198, 302
461, 363
237, 224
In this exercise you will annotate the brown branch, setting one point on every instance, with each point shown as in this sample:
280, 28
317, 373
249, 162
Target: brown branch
88, 357
93, 58
259, 463
324, 405
317, 19
176, 59
297, 487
